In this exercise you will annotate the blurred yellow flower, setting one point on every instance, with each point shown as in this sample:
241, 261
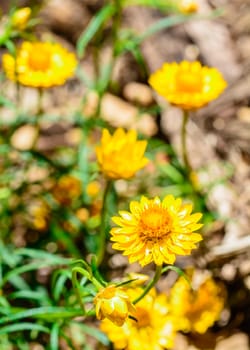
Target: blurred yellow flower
82, 214
93, 188
114, 304
153, 328
67, 189
120, 155
39, 212
156, 231
188, 6
188, 85
197, 309
20, 18
40, 64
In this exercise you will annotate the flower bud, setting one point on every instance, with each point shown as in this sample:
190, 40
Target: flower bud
188, 6
114, 304
20, 18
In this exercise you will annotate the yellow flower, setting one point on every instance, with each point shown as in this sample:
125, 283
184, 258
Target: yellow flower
82, 214
40, 64
188, 6
154, 328
39, 212
93, 188
156, 231
197, 309
20, 18
187, 85
120, 156
67, 189
114, 304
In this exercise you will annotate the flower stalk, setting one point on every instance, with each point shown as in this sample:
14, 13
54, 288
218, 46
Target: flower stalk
77, 288
151, 284
184, 141
102, 237
40, 101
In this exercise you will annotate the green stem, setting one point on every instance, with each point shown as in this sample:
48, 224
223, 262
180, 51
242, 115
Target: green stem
115, 31
196, 194
184, 141
96, 55
117, 22
151, 284
102, 237
40, 101
18, 95
76, 287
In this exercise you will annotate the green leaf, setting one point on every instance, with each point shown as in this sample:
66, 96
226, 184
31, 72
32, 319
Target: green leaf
40, 296
54, 337
3, 302
47, 312
6, 102
156, 4
5, 310
101, 337
96, 272
84, 78
60, 235
25, 268
171, 172
22, 345
83, 163
19, 282
102, 16
24, 327
7, 256
164, 23
104, 79
59, 283
40, 254
171, 21
11, 47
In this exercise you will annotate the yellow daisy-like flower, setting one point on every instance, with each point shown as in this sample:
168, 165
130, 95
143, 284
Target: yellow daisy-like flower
20, 18
153, 329
40, 64
120, 155
156, 231
197, 309
188, 85
114, 304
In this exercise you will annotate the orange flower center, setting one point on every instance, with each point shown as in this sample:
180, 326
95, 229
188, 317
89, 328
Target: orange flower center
154, 223
143, 317
188, 82
40, 58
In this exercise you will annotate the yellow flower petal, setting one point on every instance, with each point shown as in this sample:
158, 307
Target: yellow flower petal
199, 306
40, 64
154, 328
114, 304
156, 231
188, 85
120, 156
